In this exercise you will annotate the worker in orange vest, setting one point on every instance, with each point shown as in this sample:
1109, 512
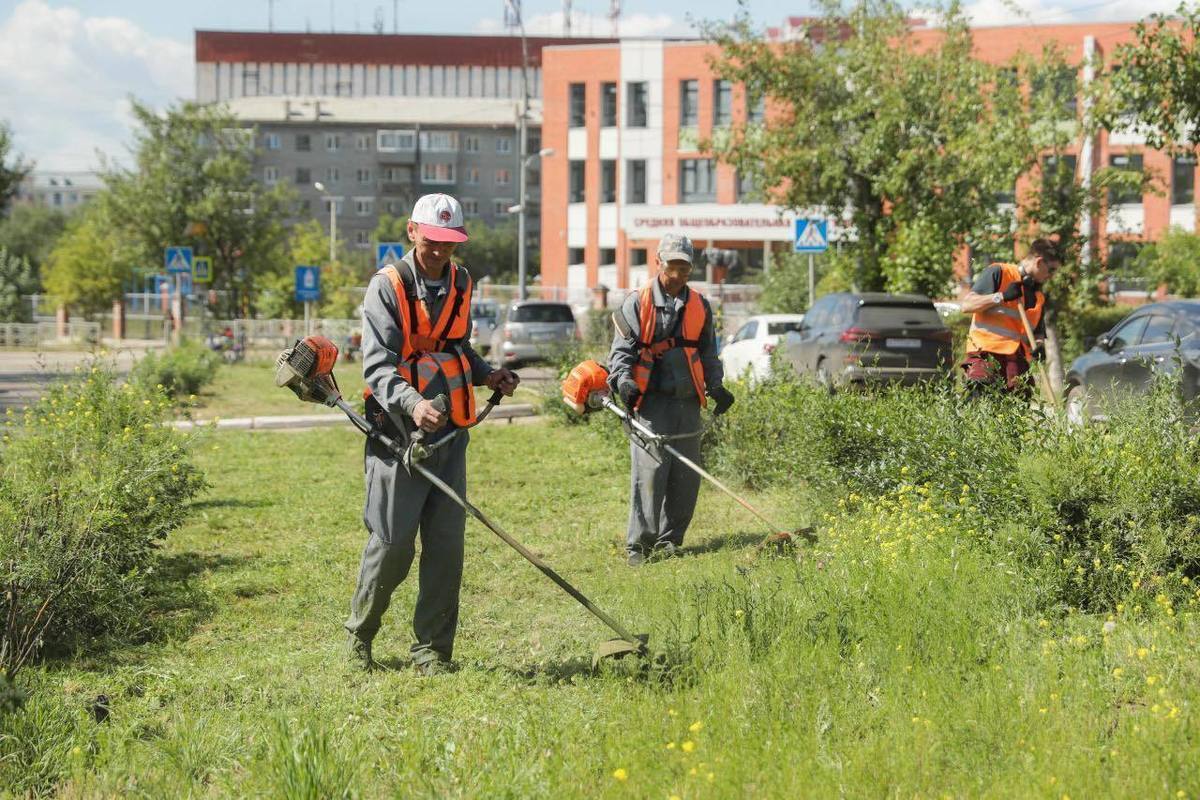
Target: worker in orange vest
998, 349
662, 364
415, 346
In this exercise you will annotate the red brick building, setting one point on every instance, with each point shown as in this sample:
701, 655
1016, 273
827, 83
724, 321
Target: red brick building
624, 118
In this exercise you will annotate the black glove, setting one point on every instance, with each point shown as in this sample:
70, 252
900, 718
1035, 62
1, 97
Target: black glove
1013, 291
1039, 352
722, 399
629, 392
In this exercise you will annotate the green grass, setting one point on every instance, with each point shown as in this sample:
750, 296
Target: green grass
896, 660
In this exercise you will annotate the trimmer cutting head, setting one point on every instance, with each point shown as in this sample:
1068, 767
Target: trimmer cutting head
307, 369
586, 387
619, 648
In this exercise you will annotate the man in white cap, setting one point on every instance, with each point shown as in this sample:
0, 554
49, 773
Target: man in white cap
663, 363
415, 346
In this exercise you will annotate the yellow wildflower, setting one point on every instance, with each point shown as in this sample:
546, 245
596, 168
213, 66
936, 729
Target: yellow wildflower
620, 774
688, 746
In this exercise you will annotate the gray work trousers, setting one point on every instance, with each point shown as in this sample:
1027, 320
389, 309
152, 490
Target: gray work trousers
398, 506
662, 494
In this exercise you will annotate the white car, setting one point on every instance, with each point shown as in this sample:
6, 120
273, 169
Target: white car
751, 347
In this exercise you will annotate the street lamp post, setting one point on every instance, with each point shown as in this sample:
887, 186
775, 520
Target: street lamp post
320, 187
519, 208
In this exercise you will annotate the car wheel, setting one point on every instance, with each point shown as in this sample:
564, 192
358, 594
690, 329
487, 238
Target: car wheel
1076, 406
824, 379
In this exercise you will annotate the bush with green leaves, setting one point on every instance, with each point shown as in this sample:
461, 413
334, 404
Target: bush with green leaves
91, 482
180, 371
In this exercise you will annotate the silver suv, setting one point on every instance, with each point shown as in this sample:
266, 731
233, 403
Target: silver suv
485, 314
533, 330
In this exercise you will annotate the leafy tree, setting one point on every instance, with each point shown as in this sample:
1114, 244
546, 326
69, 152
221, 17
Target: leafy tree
11, 174
92, 260
391, 229
29, 232
193, 183
912, 140
17, 277
491, 251
1175, 261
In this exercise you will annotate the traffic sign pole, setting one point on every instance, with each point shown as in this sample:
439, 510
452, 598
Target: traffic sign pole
812, 280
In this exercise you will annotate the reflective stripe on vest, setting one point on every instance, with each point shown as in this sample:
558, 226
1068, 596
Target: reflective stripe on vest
689, 339
426, 345
999, 329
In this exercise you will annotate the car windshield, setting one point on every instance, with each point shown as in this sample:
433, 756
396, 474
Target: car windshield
898, 316
484, 312
780, 328
547, 312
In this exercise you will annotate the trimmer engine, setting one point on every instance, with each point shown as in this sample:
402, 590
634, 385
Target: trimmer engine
585, 388
307, 369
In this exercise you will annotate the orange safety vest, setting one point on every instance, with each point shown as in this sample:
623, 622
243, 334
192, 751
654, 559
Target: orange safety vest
651, 351
999, 329
426, 343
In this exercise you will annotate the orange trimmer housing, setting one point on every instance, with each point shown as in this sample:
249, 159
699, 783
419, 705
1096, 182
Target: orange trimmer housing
583, 385
326, 353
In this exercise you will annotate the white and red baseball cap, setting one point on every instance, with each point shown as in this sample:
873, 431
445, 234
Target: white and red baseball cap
439, 217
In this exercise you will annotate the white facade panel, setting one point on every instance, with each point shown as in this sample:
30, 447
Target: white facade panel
609, 143
237, 74
607, 233
654, 181
358, 80
1184, 217
607, 275
206, 82
642, 61
1126, 139
745, 222
1128, 219
577, 225
577, 276
577, 143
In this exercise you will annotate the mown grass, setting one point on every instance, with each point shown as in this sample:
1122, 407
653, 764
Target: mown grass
895, 659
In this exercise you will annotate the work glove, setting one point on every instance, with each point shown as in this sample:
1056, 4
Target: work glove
722, 400
629, 392
1039, 352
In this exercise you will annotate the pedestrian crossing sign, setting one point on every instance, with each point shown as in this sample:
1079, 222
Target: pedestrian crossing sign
812, 235
388, 253
202, 269
178, 259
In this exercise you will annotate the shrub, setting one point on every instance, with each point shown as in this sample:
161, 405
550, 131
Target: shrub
91, 481
181, 370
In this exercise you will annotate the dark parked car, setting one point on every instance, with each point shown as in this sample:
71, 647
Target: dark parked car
849, 339
533, 330
1156, 339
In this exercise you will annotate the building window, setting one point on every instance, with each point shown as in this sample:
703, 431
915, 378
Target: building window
1058, 178
472, 176
363, 176
364, 206
439, 141
362, 238
303, 207
608, 181
271, 141
394, 207
637, 257
689, 103
745, 186
397, 174
635, 181
575, 255
333, 142
303, 176
577, 104
437, 173
504, 145
722, 103
1127, 163
362, 142
608, 255
503, 177
1183, 180
757, 108
270, 175
470, 207
608, 105
636, 102
500, 207
332, 175
470, 144
697, 180
1058, 89
1122, 255
575, 187
303, 142
392, 141
337, 203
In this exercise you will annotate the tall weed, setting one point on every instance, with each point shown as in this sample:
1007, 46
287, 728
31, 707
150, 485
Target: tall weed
179, 371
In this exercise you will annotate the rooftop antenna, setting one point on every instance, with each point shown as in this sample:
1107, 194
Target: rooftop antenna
270, 16
512, 15
567, 18
395, 16
614, 17
332, 25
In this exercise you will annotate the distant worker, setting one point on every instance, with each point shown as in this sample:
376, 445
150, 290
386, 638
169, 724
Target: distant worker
998, 350
662, 364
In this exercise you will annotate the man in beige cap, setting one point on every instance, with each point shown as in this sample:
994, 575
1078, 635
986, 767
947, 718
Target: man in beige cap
663, 363
415, 346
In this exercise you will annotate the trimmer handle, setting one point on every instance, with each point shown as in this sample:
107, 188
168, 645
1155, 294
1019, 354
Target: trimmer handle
442, 404
496, 397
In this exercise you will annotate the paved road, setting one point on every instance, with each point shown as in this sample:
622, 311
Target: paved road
25, 374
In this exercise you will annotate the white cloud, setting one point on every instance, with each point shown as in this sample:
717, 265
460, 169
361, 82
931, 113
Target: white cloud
1048, 12
597, 25
65, 79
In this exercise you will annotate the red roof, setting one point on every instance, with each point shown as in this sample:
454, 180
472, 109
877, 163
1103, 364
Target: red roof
373, 48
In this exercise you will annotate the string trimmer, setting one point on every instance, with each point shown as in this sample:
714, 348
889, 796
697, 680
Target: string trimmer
307, 369
586, 389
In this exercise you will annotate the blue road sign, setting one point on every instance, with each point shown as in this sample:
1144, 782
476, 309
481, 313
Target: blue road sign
812, 235
388, 253
202, 269
178, 259
308, 283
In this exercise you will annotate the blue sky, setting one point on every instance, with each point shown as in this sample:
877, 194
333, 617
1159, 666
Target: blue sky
68, 67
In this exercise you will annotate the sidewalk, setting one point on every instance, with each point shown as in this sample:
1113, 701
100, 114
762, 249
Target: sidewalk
518, 412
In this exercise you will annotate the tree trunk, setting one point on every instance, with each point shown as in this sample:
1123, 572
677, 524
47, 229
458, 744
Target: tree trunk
1054, 362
